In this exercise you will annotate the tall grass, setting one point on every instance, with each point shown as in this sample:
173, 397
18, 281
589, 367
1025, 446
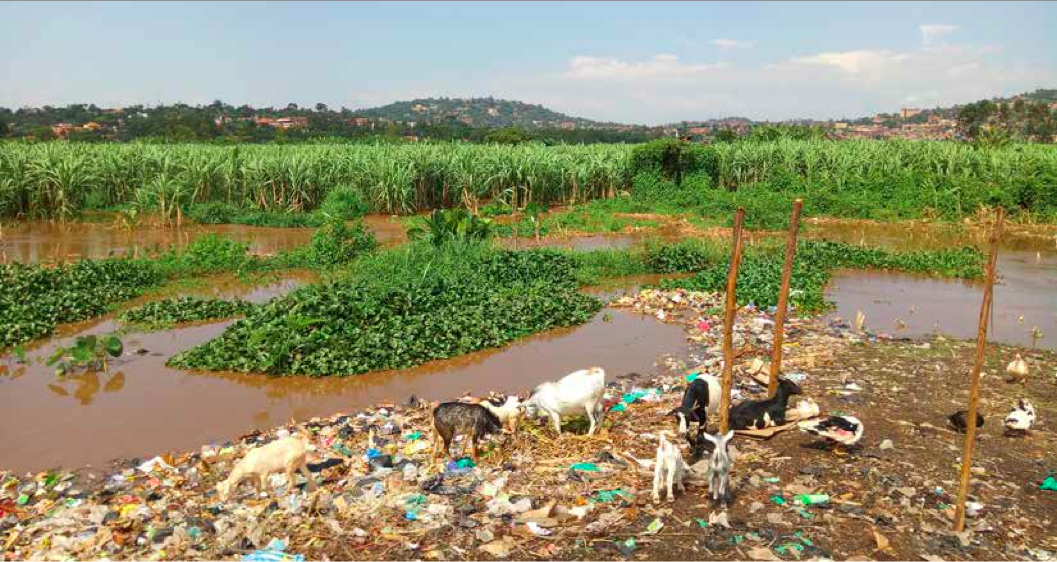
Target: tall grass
862, 179
58, 179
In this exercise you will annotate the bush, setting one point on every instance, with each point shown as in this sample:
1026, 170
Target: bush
216, 212
674, 160
343, 203
333, 245
686, 256
451, 225
211, 253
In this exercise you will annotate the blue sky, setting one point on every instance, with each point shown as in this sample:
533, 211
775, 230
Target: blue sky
631, 62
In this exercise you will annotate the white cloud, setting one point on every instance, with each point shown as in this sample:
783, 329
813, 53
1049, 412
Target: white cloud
854, 62
932, 31
584, 67
829, 84
726, 44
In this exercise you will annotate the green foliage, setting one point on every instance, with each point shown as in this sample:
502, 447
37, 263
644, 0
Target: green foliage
771, 133
451, 225
401, 308
760, 272
169, 312
344, 203
508, 135
673, 159
333, 245
686, 256
496, 208
35, 298
211, 253
88, 352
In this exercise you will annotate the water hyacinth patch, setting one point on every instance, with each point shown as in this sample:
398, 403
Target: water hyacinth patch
169, 312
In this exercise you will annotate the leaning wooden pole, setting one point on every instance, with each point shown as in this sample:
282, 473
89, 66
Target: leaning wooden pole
783, 298
728, 324
974, 384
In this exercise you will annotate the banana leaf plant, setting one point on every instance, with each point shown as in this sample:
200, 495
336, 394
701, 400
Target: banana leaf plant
445, 226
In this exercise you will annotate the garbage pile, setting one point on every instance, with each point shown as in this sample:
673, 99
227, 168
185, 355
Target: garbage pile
532, 495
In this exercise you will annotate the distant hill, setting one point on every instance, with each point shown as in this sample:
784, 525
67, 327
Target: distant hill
475, 112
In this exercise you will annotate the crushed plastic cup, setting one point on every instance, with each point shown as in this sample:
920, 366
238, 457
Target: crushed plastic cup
609, 496
778, 500
413, 436
655, 526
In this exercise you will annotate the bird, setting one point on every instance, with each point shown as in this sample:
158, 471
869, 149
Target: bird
840, 430
1021, 417
957, 419
1019, 369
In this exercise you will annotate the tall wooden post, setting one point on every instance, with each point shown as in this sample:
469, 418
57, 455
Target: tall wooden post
974, 385
728, 324
783, 298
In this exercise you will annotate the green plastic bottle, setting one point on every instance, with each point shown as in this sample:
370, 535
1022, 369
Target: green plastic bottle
813, 499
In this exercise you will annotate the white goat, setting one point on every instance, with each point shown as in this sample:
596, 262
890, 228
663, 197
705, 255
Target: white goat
287, 455
668, 466
576, 392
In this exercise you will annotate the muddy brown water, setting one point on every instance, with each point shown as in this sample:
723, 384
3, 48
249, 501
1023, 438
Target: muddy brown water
914, 305
141, 407
39, 241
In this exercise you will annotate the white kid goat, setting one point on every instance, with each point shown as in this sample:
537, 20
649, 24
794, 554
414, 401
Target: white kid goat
576, 392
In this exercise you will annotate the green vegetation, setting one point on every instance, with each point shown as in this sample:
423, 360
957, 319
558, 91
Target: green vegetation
452, 225
34, 299
687, 256
59, 180
88, 352
341, 203
888, 180
400, 308
335, 244
167, 313
760, 272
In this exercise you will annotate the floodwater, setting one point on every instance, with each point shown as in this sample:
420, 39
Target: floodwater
913, 305
39, 241
141, 407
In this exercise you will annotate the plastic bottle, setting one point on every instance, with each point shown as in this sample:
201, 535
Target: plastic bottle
813, 499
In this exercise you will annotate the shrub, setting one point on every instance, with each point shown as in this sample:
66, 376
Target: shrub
332, 245
682, 257
343, 203
451, 225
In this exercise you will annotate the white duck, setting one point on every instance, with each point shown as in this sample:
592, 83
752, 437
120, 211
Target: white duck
1018, 367
1021, 417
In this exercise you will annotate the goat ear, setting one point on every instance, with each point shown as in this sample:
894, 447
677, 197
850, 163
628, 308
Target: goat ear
728, 436
673, 412
709, 437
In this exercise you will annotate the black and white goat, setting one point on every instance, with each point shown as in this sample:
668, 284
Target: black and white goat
700, 399
760, 414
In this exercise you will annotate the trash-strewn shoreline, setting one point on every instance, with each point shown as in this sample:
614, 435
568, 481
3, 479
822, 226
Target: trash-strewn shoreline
535, 495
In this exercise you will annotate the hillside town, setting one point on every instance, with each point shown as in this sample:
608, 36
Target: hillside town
1030, 117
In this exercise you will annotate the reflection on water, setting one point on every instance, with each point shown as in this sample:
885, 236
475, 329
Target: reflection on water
914, 305
38, 241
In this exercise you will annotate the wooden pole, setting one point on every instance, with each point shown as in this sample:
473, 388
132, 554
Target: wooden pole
728, 325
783, 298
974, 385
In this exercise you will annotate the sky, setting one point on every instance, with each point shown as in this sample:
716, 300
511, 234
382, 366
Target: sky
630, 62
